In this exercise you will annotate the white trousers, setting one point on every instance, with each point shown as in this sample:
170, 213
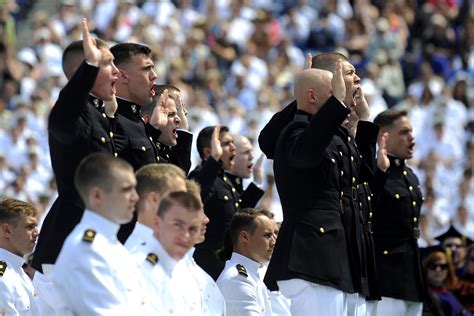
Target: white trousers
356, 305
394, 307
308, 298
372, 307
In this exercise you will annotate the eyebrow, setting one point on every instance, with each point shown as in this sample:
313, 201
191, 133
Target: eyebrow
146, 67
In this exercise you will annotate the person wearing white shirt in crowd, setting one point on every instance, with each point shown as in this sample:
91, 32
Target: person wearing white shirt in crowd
18, 233
162, 257
94, 272
212, 301
279, 303
154, 181
241, 283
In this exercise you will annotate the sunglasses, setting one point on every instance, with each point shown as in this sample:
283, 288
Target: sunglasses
435, 266
453, 246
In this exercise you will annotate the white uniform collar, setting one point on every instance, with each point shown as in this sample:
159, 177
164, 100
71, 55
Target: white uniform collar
190, 253
164, 259
15, 261
142, 231
101, 224
249, 264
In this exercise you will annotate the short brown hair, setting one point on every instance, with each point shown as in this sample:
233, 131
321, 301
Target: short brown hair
158, 178
74, 55
245, 220
194, 188
386, 118
327, 61
12, 209
183, 199
98, 169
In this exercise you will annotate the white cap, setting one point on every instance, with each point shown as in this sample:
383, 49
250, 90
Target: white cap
27, 56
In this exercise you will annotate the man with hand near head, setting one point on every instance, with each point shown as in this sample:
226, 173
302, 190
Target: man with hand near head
221, 200
253, 238
357, 165
162, 258
398, 201
94, 272
18, 233
173, 139
79, 124
244, 168
310, 264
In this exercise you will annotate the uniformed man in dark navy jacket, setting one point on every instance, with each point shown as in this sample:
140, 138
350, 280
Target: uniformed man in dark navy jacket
134, 89
310, 263
357, 166
220, 197
396, 219
137, 140
78, 125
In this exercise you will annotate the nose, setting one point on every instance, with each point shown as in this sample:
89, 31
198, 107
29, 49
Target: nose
153, 75
115, 70
232, 147
357, 78
135, 196
273, 240
177, 120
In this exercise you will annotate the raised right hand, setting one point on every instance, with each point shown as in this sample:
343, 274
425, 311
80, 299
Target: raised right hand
92, 53
383, 163
159, 117
216, 148
337, 82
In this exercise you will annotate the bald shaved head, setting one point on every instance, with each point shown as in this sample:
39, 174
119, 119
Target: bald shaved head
243, 160
312, 89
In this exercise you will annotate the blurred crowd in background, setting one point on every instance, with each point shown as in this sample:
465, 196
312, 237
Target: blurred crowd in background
235, 62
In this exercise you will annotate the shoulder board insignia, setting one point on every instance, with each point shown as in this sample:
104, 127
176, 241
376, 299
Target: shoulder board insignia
3, 267
241, 269
89, 236
152, 258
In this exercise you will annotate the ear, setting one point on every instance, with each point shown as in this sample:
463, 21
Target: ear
244, 236
157, 224
206, 151
6, 230
95, 196
311, 96
123, 76
153, 198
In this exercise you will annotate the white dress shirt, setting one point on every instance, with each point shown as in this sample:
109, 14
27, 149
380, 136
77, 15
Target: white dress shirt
212, 301
17, 294
138, 236
95, 274
243, 290
167, 280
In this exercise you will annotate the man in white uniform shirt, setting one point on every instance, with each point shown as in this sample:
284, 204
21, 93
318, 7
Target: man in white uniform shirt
94, 272
162, 257
253, 238
154, 181
212, 301
18, 233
